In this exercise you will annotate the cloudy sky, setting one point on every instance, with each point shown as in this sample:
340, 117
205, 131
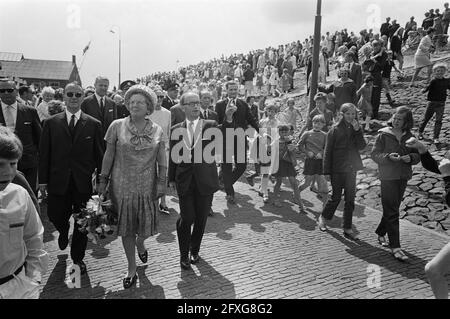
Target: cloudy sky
157, 33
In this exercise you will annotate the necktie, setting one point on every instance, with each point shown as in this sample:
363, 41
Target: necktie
191, 132
102, 105
9, 118
72, 124
204, 115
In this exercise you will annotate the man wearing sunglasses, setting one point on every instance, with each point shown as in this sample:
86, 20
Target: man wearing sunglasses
24, 121
71, 149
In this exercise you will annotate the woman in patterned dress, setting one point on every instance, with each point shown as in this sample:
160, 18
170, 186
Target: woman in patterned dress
135, 165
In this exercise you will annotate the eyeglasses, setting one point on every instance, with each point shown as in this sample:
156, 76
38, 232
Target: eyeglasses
71, 94
192, 103
6, 90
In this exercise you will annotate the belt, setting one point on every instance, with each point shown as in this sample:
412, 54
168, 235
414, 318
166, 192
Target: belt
8, 278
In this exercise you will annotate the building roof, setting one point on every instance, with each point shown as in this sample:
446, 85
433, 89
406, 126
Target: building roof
10, 56
38, 69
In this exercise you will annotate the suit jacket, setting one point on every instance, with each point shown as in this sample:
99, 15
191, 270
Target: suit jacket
205, 173
210, 115
91, 107
177, 114
167, 103
241, 118
61, 157
28, 129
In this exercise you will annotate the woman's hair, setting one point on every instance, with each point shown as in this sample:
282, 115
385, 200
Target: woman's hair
48, 89
10, 145
368, 79
285, 128
55, 107
408, 120
249, 98
440, 65
431, 30
319, 118
347, 106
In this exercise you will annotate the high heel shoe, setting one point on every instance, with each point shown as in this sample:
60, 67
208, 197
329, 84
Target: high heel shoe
382, 241
144, 256
129, 281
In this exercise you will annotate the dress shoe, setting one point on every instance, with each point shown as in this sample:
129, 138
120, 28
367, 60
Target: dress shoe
63, 241
349, 234
195, 258
144, 256
185, 264
82, 265
128, 282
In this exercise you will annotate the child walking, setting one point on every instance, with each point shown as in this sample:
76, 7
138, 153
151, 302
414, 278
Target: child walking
268, 135
437, 95
394, 161
312, 144
342, 161
286, 165
364, 103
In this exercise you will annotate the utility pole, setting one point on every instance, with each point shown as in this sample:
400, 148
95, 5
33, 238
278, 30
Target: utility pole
316, 52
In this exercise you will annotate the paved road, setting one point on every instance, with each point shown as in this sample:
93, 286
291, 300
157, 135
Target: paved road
255, 251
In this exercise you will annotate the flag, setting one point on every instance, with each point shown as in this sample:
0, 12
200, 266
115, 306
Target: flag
86, 48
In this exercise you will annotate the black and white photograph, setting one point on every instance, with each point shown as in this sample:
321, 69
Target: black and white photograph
228, 155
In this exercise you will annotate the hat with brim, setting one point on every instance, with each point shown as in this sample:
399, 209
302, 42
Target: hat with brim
126, 85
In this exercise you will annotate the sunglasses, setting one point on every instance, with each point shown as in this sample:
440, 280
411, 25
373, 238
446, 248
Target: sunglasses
71, 94
6, 90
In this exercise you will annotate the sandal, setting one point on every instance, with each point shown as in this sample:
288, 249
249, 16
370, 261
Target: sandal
128, 281
144, 256
382, 241
399, 255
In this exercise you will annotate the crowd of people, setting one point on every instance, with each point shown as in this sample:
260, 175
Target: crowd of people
141, 141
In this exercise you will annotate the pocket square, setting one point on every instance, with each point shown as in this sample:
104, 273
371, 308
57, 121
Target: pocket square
110, 110
88, 137
26, 123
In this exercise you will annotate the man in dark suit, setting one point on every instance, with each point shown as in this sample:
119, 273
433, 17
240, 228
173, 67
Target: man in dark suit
195, 181
172, 95
177, 114
242, 118
100, 106
71, 150
355, 69
24, 121
206, 100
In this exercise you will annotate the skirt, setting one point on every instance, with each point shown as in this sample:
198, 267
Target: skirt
285, 169
422, 61
313, 167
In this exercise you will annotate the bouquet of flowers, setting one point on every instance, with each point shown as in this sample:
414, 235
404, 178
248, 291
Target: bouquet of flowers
97, 219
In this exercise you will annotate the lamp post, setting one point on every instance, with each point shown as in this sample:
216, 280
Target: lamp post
120, 46
316, 52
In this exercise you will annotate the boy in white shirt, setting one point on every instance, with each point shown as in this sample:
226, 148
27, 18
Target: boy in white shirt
22, 258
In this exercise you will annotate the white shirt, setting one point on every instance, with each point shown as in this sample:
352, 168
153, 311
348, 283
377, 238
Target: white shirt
13, 108
69, 116
99, 98
42, 110
194, 128
21, 234
162, 117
